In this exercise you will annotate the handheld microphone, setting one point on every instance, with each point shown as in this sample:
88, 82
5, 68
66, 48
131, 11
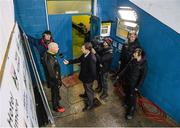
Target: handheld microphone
61, 55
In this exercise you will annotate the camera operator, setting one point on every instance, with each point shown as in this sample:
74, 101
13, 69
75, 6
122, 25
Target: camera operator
104, 57
125, 58
128, 49
97, 44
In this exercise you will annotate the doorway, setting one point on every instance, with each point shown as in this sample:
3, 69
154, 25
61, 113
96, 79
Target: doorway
80, 26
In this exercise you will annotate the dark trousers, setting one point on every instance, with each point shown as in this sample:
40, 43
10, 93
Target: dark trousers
99, 80
55, 96
104, 77
130, 98
90, 93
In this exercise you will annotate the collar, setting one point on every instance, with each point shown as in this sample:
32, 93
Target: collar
86, 54
51, 53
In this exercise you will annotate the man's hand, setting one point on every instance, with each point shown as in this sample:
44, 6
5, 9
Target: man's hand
93, 51
136, 89
66, 62
117, 77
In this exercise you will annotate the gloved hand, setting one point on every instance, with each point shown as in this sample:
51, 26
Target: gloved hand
117, 77
93, 51
136, 89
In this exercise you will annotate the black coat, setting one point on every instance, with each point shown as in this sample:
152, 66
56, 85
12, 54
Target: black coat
126, 52
135, 73
52, 69
87, 67
105, 59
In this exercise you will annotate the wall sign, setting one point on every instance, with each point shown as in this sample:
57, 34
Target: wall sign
16, 92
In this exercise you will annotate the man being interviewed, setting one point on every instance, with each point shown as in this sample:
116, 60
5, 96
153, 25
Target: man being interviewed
53, 74
87, 72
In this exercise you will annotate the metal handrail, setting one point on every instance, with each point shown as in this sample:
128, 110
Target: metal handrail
39, 84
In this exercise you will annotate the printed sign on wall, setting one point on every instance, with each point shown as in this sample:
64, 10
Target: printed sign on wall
16, 92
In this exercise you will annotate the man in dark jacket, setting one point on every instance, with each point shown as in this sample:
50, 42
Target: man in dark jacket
53, 75
126, 56
128, 49
134, 77
87, 72
104, 59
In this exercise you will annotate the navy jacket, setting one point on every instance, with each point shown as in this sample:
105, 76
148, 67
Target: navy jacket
87, 67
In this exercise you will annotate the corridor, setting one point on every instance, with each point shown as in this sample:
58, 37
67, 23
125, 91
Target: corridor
108, 113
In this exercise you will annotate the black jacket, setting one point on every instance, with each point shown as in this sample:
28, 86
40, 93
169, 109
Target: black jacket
135, 73
105, 59
87, 67
52, 69
126, 53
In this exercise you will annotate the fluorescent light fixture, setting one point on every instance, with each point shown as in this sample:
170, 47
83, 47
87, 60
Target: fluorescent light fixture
130, 24
71, 12
125, 8
128, 15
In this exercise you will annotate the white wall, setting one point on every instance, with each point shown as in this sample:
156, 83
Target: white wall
166, 11
16, 89
6, 25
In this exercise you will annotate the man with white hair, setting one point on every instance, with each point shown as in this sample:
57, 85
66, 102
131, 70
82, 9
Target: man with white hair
53, 74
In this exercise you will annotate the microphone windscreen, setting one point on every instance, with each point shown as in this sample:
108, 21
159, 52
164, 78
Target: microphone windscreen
61, 55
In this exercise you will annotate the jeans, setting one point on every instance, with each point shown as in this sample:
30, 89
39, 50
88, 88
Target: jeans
104, 77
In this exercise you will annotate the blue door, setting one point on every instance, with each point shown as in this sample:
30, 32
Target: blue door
61, 28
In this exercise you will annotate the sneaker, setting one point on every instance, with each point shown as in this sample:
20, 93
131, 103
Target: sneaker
60, 109
129, 117
130, 113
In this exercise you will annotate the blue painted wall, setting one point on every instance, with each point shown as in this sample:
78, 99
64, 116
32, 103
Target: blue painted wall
160, 42
61, 28
162, 47
30, 14
106, 9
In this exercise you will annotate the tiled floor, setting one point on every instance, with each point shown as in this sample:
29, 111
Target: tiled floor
109, 114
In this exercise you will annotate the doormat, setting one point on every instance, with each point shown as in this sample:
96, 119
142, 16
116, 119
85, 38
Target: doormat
70, 81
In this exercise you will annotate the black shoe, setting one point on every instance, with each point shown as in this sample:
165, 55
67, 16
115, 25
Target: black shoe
87, 108
130, 113
83, 95
129, 117
125, 105
103, 96
98, 90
